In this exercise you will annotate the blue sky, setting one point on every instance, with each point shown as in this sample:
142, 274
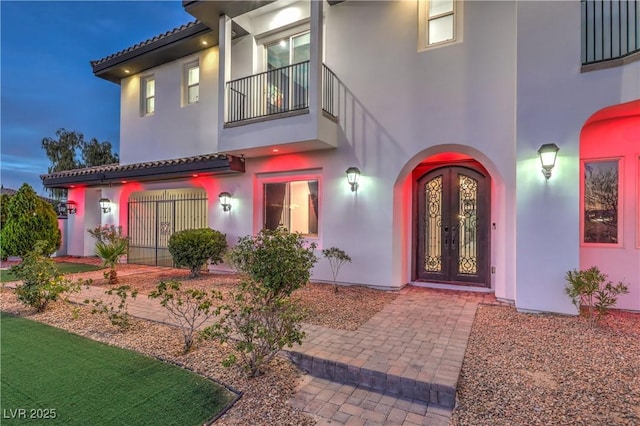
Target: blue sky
46, 79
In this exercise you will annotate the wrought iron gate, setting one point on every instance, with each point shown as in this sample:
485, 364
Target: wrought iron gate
155, 215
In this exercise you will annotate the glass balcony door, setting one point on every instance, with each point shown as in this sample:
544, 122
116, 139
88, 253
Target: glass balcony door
287, 87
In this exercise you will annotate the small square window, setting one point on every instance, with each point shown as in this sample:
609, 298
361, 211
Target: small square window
293, 205
191, 83
148, 95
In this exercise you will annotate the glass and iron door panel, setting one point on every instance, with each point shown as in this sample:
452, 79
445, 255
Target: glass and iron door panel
453, 216
287, 86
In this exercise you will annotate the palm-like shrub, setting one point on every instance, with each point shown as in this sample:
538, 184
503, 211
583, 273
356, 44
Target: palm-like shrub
111, 245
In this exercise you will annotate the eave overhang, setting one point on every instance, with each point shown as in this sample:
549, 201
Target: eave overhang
172, 45
181, 168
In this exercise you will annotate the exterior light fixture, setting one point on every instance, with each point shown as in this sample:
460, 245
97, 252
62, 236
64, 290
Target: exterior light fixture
71, 207
105, 204
225, 201
353, 174
548, 153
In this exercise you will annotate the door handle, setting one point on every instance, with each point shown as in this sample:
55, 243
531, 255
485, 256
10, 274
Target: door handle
446, 237
453, 237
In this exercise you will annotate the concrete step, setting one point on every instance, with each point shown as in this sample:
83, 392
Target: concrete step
412, 388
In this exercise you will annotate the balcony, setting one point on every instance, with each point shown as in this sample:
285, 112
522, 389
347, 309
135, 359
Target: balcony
610, 33
281, 92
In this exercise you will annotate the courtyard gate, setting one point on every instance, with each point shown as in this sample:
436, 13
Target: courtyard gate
155, 215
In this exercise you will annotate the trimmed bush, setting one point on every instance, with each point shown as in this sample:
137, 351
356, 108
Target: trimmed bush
192, 248
29, 219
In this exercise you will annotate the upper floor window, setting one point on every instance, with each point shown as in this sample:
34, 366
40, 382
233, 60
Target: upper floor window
148, 95
288, 51
439, 22
292, 204
192, 83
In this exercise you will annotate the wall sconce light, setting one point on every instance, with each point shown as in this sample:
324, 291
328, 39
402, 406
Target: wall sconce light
71, 206
353, 174
548, 153
105, 204
225, 201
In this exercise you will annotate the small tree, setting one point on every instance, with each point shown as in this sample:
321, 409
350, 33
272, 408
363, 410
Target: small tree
590, 288
336, 258
193, 247
42, 282
191, 308
261, 319
111, 245
29, 219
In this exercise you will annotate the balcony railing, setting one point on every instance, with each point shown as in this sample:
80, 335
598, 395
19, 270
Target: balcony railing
277, 91
610, 29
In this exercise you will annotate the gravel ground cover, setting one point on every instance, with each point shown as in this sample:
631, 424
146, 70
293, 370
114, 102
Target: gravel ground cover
526, 369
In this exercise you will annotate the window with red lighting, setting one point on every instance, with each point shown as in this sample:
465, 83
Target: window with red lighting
292, 204
601, 201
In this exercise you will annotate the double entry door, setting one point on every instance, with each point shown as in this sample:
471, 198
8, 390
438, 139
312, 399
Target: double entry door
452, 225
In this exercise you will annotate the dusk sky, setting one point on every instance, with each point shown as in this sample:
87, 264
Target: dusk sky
47, 82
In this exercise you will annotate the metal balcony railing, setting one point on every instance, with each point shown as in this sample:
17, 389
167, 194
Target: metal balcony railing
610, 29
277, 91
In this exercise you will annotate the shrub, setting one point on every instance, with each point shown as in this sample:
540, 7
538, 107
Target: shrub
42, 282
336, 258
261, 319
29, 219
111, 245
193, 247
119, 314
590, 288
191, 308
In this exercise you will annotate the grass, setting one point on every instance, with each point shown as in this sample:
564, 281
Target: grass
88, 382
64, 267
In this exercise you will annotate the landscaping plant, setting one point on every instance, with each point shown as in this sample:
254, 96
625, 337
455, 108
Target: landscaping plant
191, 308
261, 318
111, 245
590, 288
336, 258
119, 314
42, 282
194, 247
28, 219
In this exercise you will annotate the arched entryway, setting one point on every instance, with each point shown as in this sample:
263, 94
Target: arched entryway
452, 220
610, 197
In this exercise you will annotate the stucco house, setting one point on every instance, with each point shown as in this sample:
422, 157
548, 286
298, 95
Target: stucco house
250, 116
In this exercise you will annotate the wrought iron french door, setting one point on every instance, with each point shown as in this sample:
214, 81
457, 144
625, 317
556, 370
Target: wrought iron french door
155, 215
452, 235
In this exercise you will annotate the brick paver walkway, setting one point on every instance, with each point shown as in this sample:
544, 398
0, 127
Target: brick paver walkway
401, 367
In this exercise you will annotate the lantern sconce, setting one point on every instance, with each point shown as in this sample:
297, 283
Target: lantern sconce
105, 204
548, 153
225, 201
71, 207
353, 175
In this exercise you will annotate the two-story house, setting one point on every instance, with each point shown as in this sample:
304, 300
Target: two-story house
408, 133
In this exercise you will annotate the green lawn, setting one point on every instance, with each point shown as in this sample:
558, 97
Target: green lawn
89, 383
64, 267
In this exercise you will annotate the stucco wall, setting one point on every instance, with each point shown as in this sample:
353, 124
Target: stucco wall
554, 101
173, 130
